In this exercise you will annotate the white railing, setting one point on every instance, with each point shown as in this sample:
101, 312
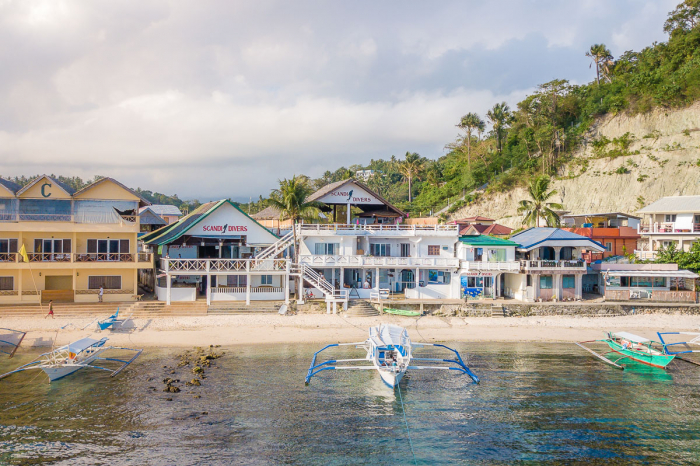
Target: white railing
214, 266
668, 227
376, 296
480, 265
377, 261
311, 276
645, 255
278, 247
560, 265
242, 289
400, 229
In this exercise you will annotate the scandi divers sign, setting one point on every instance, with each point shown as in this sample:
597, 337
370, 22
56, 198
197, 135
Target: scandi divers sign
226, 220
349, 194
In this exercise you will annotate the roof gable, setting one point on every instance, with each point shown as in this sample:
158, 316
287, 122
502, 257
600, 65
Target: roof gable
353, 192
45, 187
8, 188
109, 189
547, 236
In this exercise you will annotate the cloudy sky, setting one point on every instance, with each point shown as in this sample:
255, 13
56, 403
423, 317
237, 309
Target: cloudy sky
222, 98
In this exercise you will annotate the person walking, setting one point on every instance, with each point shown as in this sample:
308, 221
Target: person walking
50, 310
100, 293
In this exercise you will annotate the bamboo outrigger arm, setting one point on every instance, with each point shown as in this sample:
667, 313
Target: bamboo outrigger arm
599, 356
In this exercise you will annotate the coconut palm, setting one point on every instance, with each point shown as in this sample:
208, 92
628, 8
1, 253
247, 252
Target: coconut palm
292, 200
410, 168
470, 122
602, 58
500, 117
537, 206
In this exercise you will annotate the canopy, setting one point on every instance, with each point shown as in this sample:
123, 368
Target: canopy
81, 345
651, 273
630, 337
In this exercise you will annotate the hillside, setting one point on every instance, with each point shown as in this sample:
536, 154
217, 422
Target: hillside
661, 160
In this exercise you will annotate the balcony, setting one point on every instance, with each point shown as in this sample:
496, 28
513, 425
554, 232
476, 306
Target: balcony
562, 266
508, 266
41, 257
223, 266
377, 230
645, 255
378, 261
89, 218
668, 228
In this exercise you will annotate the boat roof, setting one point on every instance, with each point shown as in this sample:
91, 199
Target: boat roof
389, 334
631, 337
81, 345
652, 273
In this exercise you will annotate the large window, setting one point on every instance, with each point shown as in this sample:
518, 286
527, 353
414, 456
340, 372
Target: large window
405, 250
433, 250
439, 277
109, 282
670, 218
266, 279
236, 280
568, 281
52, 246
108, 249
8, 245
327, 249
475, 282
497, 255
380, 249
7, 283
545, 282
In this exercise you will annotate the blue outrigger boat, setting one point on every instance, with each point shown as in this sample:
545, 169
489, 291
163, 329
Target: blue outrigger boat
110, 321
390, 352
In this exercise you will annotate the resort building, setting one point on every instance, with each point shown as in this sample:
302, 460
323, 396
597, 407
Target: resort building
616, 231
75, 242
483, 262
646, 282
551, 265
670, 220
169, 213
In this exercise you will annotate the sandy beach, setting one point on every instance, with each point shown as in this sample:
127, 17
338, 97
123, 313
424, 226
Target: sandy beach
322, 328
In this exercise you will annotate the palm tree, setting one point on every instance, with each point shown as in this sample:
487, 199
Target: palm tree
500, 117
409, 169
602, 58
291, 199
538, 206
470, 122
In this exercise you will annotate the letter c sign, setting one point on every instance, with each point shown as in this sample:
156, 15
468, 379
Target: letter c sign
43, 190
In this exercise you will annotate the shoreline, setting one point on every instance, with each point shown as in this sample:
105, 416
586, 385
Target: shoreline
235, 330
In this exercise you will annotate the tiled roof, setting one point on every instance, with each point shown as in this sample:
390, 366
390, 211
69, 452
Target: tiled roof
268, 213
477, 218
11, 185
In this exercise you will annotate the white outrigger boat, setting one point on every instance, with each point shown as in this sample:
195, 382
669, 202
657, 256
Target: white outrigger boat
74, 356
390, 351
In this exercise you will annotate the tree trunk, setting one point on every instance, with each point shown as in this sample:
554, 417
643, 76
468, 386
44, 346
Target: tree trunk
597, 72
469, 148
410, 178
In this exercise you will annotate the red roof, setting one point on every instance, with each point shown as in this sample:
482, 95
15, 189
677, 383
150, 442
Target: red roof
494, 229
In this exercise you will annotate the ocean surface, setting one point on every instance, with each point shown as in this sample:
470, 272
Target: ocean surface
536, 404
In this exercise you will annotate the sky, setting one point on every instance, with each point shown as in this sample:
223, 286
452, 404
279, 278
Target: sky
221, 99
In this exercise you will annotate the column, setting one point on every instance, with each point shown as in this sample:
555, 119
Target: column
348, 213
341, 278
557, 253
300, 298
247, 282
333, 280
75, 283
417, 280
286, 283
136, 281
579, 286
168, 280
20, 272
680, 244
556, 285
376, 279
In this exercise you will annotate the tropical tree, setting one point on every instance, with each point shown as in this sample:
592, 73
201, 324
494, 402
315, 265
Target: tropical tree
537, 206
410, 168
602, 58
292, 200
685, 17
469, 123
500, 118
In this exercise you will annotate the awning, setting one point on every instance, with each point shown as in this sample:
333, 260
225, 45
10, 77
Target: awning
650, 273
80, 345
631, 337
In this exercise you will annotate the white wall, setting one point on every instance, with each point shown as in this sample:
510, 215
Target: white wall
466, 252
515, 285
176, 294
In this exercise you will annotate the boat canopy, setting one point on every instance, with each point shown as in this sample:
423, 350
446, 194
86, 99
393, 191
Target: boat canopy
631, 337
652, 273
82, 344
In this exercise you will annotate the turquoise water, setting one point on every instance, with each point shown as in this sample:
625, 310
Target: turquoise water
537, 403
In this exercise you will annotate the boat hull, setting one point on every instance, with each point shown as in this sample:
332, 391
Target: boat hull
56, 373
391, 379
654, 360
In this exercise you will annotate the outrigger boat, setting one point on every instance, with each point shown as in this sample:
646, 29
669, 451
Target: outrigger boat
390, 351
643, 350
111, 321
10, 340
402, 312
74, 356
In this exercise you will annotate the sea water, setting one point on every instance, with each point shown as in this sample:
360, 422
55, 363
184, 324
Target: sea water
537, 403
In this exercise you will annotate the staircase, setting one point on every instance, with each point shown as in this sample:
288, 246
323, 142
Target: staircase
497, 310
318, 281
240, 308
63, 310
278, 247
149, 309
361, 308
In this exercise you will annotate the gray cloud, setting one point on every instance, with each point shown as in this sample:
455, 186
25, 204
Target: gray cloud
222, 100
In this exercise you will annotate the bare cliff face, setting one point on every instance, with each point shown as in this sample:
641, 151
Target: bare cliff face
662, 159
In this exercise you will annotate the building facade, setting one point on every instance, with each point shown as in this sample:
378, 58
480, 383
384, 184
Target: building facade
75, 242
616, 231
670, 220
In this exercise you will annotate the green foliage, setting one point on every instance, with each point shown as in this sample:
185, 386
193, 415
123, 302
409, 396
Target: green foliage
537, 206
642, 178
622, 170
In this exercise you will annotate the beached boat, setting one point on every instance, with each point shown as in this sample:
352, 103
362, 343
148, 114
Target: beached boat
10, 340
74, 356
643, 350
402, 312
111, 321
390, 352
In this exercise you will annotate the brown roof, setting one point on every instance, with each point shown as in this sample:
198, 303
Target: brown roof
480, 229
268, 213
331, 186
477, 218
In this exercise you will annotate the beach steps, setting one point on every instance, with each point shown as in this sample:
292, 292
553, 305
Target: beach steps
498, 310
62, 310
240, 308
361, 308
148, 309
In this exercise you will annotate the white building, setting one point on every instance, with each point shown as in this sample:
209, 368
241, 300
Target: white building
670, 220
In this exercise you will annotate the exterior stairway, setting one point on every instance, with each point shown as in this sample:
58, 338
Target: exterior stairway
240, 308
278, 247
361, 308
497, 310
63, 310
148, 309
318, 281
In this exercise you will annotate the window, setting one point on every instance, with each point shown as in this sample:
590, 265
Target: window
108, 249
236, 280
433, 250
660, 281
7, 283
642, 282
497, 255
8, 245
52, 246
405, 250
327, 249
266, 279
696, 218
528, 280
110, 282
670, 218
608, 246
568, 281
439, 277
545, 282
380, 249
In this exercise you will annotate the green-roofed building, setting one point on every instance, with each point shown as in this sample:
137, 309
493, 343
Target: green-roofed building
484, 262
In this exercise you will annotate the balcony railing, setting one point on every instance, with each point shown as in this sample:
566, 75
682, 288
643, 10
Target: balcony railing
8, 257
142, 257
561, 265
48, 257
95, 218
645, 255
495, 266
397, 230
668, 227
377, 261
214, 266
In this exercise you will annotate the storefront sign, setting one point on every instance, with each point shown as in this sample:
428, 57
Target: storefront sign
224, 228
349, 194
479, 274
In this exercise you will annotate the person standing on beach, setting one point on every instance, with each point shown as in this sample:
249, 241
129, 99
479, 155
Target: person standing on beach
50, 310
100, 293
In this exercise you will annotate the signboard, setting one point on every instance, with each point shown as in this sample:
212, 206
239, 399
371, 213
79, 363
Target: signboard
227, 221
478, 274
349, 194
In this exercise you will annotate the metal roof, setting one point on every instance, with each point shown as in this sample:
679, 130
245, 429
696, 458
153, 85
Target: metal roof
538, 237
82, 344
631, 337
486, 240
651, 273
10, 185
163, 209
602, 214
671, 204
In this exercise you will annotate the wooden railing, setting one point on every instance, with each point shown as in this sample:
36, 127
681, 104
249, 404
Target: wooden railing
103, 257
8, 257
377, 261
223, 265
48, 257
553, 265
379, 228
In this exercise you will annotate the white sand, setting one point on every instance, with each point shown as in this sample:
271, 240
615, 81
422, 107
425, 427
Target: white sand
321, 328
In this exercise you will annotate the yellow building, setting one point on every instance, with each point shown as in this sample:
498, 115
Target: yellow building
76, 242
